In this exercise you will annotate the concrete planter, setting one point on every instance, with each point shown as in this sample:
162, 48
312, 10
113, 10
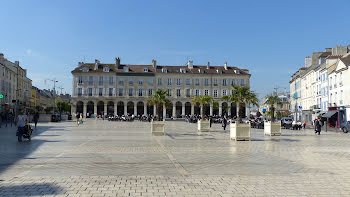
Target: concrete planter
203, 126
157, 127
272, 128
240, 131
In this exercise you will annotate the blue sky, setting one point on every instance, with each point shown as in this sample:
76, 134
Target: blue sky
270, 38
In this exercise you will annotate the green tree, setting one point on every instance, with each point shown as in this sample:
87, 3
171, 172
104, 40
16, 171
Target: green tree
159, 98
204, 101
241, 95
272, 100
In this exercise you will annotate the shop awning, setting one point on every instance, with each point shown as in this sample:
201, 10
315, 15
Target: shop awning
329, 114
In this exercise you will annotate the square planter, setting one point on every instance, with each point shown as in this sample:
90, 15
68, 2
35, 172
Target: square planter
240, 131
203, 125
272, 128
157, 127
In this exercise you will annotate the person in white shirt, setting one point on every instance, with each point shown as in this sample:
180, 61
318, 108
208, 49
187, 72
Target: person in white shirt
22, 121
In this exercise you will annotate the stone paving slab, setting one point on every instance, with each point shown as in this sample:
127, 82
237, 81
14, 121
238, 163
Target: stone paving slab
101, 158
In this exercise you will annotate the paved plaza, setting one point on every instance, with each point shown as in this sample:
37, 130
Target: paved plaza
101, 158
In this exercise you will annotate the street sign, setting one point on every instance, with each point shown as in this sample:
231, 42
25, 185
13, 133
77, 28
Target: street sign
300, 107
264, 110
1, 96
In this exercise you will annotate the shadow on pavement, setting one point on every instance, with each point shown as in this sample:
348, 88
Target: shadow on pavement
41, 189
12, 151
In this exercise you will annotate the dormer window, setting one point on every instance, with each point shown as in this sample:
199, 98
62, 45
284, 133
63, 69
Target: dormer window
126, 69
219, 71
236, 71
85, 69
105, 69
145, 70
164, 70
182, 70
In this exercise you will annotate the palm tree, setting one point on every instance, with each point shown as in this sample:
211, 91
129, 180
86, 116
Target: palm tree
204, 100
241, 95
271, 101
159, 99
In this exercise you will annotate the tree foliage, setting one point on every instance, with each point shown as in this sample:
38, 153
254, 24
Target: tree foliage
272, 100
241, 95
203, 100
159, 98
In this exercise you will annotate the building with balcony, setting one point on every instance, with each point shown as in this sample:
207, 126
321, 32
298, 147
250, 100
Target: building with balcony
121, 89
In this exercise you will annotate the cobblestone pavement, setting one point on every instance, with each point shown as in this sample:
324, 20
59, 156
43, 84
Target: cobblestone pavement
101, 158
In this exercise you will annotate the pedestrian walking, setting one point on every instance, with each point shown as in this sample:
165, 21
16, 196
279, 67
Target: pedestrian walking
77, 116
304, 125
224, 122
22, 121
210, 121
318, 126
36, 118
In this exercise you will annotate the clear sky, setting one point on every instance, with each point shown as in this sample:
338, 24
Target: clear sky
270, 38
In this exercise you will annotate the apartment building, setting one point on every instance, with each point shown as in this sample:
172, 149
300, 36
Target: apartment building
121, 89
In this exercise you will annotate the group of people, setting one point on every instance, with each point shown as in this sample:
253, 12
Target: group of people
6, 118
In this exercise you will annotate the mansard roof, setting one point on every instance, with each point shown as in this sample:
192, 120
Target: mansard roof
197, 69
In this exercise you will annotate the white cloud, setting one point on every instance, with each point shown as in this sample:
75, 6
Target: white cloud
29, 52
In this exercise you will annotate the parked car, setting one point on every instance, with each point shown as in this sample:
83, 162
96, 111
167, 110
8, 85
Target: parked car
286, 122
346, 127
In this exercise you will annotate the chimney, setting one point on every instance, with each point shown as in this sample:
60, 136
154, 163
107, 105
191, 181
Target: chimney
117, 63
17, 63
96, 64
154, 63
1, 56
190, 64
80, 63
208, 65
225, 65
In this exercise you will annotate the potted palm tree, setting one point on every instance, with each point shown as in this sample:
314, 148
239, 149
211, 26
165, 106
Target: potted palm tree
204, 101
241, 95
159, 99
272, 127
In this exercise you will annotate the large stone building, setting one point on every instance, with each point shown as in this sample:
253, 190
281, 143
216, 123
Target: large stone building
315, 88
14, 84
121, 89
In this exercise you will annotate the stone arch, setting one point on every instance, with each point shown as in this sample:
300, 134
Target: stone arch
169, 110
197, 109
80, 107
233, 109
90, 109
120, 108
224, 106
150, 109
130, 108
110, 108
178, 109
188, 108
100, 108
140, 108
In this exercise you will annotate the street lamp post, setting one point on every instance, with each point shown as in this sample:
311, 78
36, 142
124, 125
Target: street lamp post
54, 92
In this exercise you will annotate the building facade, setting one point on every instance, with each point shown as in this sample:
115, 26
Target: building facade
15, 85
122, 89
321, 94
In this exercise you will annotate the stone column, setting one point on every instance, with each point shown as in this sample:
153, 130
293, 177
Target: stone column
229, 109
192, 109
95, 109
164, 112
154, 110
115, 109
220, 108
135, 108
174, 110
105, 109
183, 110
84, 110
72, 110
145, 109
125, 108
211, 109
